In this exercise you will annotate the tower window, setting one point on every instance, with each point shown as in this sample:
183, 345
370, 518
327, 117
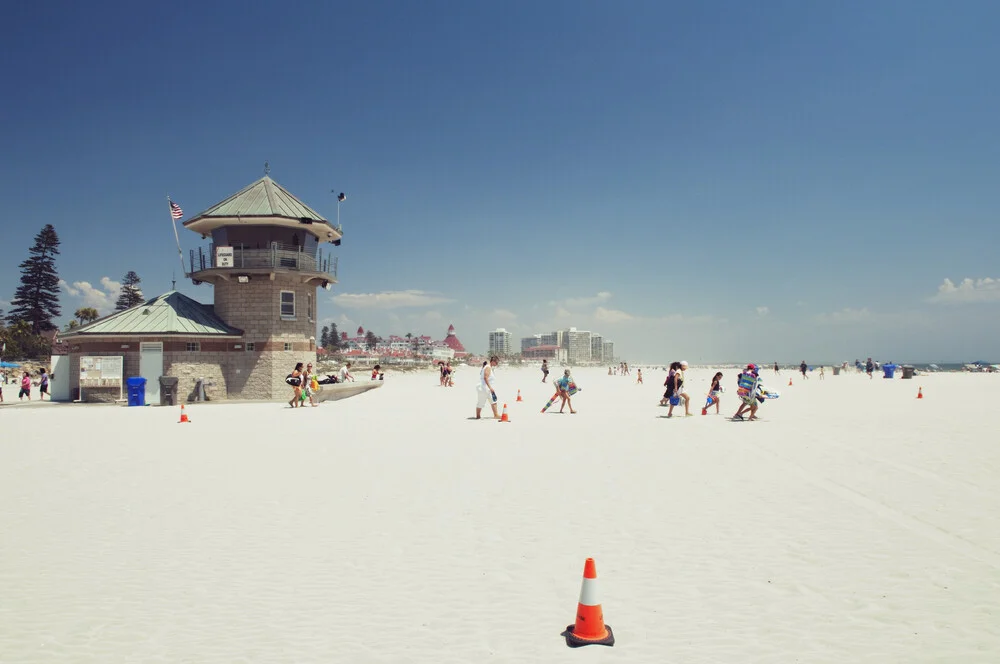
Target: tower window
193, 346
288, 304
250, 346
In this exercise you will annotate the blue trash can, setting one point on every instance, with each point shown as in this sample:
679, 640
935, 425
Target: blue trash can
136, 391
888, 370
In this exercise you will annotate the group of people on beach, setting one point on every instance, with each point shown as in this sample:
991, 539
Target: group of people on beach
305, 383
26, 384
486, 392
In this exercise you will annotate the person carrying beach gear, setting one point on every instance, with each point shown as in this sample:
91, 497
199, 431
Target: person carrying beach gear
486, 390
566, 388
714, 392
295, 380
749, 388
678, 391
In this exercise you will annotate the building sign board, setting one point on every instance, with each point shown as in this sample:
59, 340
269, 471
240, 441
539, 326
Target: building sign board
223, 257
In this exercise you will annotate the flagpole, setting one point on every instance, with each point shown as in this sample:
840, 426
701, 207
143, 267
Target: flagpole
173, 222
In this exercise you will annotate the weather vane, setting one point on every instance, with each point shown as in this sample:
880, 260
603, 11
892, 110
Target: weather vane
267, 168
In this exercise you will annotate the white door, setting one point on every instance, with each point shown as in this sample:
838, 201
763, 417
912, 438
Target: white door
151, 368
59, 378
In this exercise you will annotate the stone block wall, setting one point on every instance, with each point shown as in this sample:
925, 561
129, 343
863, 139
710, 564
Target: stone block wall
255, 307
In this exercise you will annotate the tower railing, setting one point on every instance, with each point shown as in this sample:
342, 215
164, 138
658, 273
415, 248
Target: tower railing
275, 256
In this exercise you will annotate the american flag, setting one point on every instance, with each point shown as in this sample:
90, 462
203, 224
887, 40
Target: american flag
175, 210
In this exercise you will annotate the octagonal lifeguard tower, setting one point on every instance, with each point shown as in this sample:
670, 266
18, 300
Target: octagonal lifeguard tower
265, 262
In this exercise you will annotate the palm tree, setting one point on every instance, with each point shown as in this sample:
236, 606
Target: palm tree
86, 315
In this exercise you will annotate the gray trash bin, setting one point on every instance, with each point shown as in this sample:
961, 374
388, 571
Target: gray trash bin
168, 390
836, 371
907, 371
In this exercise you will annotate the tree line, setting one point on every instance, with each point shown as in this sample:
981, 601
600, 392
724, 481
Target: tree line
27, 328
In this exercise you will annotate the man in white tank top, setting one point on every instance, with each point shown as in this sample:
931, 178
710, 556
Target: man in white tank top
486, 388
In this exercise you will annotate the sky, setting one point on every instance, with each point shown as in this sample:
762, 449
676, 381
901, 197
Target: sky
716, 181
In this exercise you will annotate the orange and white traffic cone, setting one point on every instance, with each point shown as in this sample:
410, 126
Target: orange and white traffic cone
789, 382
519, 396
920, 392
589, 628
504, 418
184, 417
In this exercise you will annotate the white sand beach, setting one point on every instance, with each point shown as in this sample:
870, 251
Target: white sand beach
854, 523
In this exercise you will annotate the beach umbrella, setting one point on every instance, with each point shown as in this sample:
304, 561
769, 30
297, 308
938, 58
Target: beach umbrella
9, 365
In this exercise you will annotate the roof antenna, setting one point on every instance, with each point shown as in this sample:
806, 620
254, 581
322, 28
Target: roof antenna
267, 169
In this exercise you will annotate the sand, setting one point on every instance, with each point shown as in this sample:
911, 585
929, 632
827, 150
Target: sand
854, 523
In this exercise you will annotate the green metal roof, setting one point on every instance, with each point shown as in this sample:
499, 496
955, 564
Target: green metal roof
170, 313
263, 198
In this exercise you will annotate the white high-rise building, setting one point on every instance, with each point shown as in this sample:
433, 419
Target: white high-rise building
500, 342
609, 351
578, 345
596, 347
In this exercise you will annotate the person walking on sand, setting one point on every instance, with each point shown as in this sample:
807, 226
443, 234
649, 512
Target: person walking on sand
776, 372
307, 390
486, 389
804, 368
545, 370
43, 386
563, 386
638, 376
669, 383
822, 372
295, 380
679, 391
25, 387
869, 367
715, 392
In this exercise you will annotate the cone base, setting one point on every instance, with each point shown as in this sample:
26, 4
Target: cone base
574, 641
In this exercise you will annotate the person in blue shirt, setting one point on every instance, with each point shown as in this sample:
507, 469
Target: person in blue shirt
563, 384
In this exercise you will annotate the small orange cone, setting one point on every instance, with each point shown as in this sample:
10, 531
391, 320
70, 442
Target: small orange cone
789, 381
184, 417
920, 392
589, 628
504, 418
519, 396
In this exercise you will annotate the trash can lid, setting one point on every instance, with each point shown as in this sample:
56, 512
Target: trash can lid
169, 380
135, 381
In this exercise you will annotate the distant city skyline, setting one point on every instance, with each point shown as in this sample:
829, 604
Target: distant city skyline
715, 182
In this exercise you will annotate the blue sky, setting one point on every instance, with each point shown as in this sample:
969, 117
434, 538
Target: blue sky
720, 181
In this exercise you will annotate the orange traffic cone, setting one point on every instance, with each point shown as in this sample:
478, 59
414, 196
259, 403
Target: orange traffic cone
519, 396
589, 628
184, 417
504, 418
789, 381
920, 392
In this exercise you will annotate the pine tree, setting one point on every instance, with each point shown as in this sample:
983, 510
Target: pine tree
130, 294
334, 337
324, 337
36, 301
371, 340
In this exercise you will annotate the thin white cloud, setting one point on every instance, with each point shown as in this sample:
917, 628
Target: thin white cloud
503, 315
763, 311
102, 299
563, 313
844, 316
586, 301
389, 299
611, 315
967, 291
